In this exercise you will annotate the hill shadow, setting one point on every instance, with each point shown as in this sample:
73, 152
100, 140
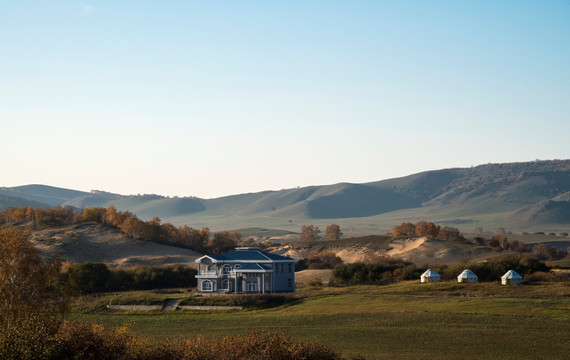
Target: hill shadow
359, 201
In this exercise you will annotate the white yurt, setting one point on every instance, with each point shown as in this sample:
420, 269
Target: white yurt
430, 276
467, 276
511, 277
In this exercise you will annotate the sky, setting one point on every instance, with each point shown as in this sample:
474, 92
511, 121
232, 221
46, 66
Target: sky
213, 98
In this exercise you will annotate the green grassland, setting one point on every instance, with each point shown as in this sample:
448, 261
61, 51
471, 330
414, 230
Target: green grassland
405, 320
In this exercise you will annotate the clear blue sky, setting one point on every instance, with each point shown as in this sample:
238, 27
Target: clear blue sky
211, 98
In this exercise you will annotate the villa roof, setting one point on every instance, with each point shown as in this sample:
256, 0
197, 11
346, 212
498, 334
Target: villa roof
255, 267
246, 254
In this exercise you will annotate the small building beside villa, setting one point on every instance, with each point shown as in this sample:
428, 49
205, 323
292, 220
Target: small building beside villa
245, 270
430, 276
467, 276
511, 277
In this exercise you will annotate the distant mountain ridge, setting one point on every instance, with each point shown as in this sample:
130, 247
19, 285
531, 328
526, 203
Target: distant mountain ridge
523, 195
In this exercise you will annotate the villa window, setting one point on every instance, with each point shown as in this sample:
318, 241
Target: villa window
206, 285
226, 269
289, 267
251, 286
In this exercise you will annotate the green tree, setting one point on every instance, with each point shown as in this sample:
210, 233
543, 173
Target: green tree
89, 278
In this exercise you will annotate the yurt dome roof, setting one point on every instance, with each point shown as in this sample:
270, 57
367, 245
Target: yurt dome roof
511, 274
430, 273
466, 274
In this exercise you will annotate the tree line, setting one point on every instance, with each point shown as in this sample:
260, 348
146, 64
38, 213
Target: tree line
498, 242
311, 232
425, 228
388, 270
199, 240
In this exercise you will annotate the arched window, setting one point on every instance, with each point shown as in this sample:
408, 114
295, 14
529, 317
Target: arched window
206, 285
226, 269
237, 266
226, 284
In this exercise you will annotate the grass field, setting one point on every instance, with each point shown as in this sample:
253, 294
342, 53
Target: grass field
405, 320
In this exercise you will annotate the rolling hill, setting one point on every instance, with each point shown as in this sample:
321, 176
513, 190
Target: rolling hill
528, 196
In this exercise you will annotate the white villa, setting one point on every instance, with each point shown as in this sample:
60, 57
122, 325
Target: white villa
245, 270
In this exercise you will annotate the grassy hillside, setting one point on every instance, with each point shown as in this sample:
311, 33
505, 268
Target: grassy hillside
44, 194
530, 196
401, 321
7, 201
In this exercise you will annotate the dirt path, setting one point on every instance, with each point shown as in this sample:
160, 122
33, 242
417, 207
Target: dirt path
170, 304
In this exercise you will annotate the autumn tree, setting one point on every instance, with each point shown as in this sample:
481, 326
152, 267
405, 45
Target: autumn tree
333, 232
111, 215
96, 214
224, 241
32, 298
406, 229
502, 240
449, 233
310, 233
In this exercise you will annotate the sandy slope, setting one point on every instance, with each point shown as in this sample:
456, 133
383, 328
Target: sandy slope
305, 275
101, 244
419, 250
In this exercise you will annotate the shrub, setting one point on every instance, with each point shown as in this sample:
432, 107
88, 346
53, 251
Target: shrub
87, 341
324, 260
28, 338
91, 278
315, 282
254, 301
541, 276
385, 270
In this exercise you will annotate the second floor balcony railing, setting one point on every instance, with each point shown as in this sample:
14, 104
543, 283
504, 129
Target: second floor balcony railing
214, 272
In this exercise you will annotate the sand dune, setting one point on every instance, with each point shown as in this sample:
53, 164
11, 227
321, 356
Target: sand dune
305, 275
102, 244
419, 250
